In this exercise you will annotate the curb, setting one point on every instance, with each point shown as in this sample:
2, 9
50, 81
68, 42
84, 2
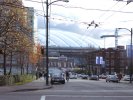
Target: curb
32, 86
32, 89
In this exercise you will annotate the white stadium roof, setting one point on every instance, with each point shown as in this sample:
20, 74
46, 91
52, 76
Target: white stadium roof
67, 39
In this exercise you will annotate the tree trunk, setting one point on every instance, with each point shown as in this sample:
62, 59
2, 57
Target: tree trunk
21, 64
4, 62
27, 68
10, 71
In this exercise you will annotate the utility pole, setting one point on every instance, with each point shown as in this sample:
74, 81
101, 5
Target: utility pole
131, 63
47, 72
47, 56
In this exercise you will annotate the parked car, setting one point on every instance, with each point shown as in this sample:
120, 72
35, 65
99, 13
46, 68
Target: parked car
1, 72
102, 76
94, 77
112, 78
79, 75
127, 78
73, 76
84, 76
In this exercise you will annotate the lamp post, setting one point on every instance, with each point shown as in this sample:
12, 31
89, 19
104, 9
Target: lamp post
47, 7
131, 31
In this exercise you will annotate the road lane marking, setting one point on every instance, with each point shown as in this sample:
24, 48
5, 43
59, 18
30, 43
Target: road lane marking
42, 98
85, 96
92, 91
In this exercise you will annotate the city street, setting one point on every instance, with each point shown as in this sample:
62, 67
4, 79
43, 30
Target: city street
77, 89
47, 41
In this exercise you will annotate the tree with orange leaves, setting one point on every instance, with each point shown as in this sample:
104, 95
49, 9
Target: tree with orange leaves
36, 56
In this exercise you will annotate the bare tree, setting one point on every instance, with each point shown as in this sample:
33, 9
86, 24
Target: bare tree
14, 34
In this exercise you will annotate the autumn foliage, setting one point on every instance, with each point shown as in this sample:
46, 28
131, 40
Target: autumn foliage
35, 56
16, 37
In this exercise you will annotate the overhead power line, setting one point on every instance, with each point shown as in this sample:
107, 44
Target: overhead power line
77, 7
128, 1
92, 9
35, 1
108, 10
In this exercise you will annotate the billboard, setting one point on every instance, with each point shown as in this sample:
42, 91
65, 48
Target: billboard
99, 60
128, 50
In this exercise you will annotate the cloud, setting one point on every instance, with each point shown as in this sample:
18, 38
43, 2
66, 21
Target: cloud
41, 22
75, 28
94, 33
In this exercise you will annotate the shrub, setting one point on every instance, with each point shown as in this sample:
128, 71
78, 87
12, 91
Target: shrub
16, 79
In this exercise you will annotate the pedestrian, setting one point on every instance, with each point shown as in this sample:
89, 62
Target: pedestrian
36, 75
44, 74
40, 74
119, 75
67, 76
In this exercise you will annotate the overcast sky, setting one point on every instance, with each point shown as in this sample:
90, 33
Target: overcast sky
76, 16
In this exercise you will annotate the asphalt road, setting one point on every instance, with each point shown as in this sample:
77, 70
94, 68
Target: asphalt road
77, 89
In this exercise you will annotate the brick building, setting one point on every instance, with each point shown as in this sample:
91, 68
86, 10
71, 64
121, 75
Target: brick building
111, 60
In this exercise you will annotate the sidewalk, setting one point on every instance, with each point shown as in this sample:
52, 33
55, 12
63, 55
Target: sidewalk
39, 84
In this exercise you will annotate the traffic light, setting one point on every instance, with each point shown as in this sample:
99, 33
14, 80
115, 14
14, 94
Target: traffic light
42, 50
1, 52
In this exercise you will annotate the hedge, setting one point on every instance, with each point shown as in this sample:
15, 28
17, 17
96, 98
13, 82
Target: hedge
16, 79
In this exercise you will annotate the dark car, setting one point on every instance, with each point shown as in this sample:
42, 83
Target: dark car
112, 78
57, 78
94, 77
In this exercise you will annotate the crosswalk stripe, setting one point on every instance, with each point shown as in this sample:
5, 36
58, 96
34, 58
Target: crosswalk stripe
42, 98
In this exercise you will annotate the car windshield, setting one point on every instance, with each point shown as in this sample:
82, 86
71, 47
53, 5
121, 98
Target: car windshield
56, 74
113, 76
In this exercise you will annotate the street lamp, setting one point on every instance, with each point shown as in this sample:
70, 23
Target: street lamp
47, 7
130, 30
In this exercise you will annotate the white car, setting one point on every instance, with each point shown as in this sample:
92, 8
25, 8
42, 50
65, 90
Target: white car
1, 72
73, 76
127, 78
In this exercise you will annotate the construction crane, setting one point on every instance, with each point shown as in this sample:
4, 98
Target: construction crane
115, 35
